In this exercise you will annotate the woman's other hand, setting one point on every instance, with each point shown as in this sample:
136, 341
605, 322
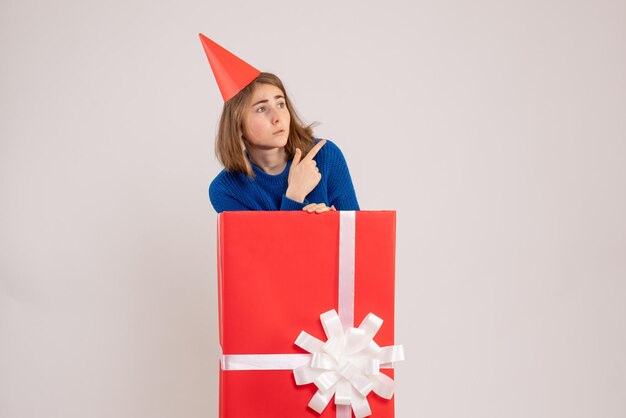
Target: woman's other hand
303, 174
318, 208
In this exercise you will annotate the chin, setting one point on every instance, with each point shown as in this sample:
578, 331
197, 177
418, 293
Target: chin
284, 141
272, 144
280, 141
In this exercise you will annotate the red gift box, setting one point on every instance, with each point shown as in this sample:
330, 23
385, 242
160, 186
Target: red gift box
277, 272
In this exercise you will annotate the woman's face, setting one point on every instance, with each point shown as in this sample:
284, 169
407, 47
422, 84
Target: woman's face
266, 118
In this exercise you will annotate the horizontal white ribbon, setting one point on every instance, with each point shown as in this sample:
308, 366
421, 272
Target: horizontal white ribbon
264, 361
270, 361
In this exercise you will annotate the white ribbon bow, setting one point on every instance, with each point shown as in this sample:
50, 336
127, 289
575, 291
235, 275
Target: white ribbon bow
347, 365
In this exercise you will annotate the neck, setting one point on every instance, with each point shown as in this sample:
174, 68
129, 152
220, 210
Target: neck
271, 161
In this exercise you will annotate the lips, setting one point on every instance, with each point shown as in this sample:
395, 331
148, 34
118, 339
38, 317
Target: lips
279, 131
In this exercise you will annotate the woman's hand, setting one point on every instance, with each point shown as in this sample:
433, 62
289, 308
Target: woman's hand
318, 208
303, 174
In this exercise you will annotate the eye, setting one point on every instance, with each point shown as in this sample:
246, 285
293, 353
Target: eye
260, 109
281, 105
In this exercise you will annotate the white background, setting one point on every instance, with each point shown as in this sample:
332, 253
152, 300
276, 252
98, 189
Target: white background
496, 129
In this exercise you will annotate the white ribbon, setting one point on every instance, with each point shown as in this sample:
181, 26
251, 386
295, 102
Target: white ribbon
347, 244
346, 366
264, 361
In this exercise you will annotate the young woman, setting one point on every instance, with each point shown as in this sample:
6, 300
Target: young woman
271, 159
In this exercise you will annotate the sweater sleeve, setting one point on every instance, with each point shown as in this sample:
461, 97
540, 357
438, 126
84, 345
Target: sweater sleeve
340, 188
223, 201
289, 204
227, 195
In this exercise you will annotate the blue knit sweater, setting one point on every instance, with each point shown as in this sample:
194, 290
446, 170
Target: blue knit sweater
236, 191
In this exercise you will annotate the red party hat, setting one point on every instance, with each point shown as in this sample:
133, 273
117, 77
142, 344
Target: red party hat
231, 73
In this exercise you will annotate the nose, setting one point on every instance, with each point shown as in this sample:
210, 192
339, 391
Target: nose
274, 117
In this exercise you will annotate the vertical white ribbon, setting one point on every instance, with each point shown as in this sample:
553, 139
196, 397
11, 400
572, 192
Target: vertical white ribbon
347, 238
344, 411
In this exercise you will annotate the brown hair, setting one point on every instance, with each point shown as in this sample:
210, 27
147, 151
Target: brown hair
229, 144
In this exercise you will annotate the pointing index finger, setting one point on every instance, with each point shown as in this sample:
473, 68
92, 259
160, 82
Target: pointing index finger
314, 150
